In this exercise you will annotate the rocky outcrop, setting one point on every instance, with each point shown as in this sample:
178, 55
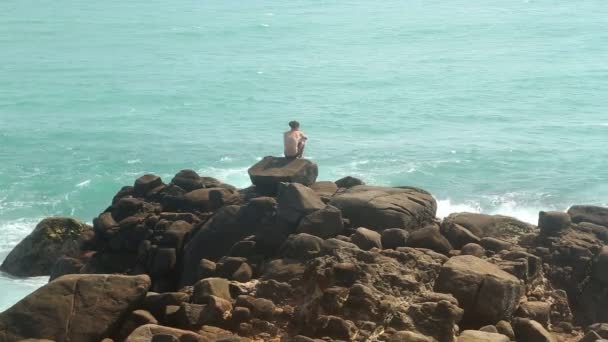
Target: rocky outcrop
75, 308
316, 261
381, 208
270, 171
51, 239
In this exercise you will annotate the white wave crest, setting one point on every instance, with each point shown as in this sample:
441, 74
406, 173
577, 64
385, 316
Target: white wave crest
506, 207
83, 183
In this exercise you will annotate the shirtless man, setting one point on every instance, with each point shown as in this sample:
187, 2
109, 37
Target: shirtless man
294, 141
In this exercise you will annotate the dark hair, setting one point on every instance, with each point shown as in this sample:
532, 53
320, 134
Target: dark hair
294, 124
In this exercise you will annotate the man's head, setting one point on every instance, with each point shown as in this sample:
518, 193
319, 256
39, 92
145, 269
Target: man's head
294, 125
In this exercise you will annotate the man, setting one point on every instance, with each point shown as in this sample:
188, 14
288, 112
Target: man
294, 141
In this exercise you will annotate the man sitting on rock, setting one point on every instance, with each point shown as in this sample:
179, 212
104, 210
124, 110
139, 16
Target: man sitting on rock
294, 141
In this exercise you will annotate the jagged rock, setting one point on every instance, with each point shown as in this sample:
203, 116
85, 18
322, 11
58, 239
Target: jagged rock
537, 311
589, 213
270, 171
531, 331
379, 208
481, 336
429, 237
552, 223
324, 223
496, 226
74, 308
393, 238
145, 184
154, 333
485, 292
366, 239
569, 259
348, 182
473, 249
296, 201
379, 284
51, 239
218, 287
301, 247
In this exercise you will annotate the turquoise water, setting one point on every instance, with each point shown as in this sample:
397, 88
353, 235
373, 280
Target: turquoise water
493, 106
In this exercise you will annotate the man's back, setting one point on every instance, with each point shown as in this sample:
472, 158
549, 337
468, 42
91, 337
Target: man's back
291, 139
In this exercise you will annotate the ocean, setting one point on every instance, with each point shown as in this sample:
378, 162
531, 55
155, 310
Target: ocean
494, 106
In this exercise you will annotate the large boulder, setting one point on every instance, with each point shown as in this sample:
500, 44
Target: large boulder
485, 292
188, 180
270, 171
531, 331
366, 239
429, 237
381, 208
483, 225
324, 223
589, 213
296, 201
52, 238
75, 308
553, 222
214, 239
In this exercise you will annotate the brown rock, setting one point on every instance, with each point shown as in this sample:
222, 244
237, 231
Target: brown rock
366, 239
158, 333
380, 208
270, 171
74, 308
531, 331
485, 292
52, 238
324, 223
204, 288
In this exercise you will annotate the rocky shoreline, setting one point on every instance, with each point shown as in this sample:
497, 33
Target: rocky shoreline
293, 259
